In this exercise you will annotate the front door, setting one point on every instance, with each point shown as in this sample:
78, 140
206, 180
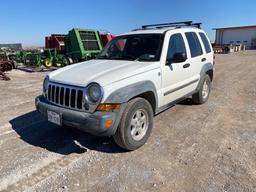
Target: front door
175, 75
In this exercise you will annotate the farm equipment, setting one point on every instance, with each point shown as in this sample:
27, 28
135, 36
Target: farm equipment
50, 58
46, 57
55, 41
227, 48
105, 38
5, 65
21, 56
61, 50
33, 59
82, 44
4, 58
77, 45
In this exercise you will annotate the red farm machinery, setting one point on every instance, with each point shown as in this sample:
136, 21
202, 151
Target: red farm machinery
55, 41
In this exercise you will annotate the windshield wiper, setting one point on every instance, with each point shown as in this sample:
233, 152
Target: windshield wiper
145, 57
102, 57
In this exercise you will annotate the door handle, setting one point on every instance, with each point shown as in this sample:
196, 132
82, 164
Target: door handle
203, 60
186, 65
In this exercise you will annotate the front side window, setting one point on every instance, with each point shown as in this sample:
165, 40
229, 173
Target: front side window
139, 47
176, 45
194, 44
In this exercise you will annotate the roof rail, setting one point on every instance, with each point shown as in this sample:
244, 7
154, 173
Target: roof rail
197, 25
175, 24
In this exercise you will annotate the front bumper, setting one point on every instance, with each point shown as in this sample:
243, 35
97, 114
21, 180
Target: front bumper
92, 123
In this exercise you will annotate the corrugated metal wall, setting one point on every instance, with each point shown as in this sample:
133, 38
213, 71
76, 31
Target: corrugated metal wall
243, 36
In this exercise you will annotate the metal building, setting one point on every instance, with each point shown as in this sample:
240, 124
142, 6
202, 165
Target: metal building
245, 35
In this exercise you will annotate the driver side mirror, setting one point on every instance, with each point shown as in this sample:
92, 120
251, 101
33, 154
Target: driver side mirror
177, 58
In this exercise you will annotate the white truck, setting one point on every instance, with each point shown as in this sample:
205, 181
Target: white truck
136, 76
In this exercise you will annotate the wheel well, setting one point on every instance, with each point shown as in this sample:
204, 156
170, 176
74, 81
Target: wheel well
210, 73
150, 97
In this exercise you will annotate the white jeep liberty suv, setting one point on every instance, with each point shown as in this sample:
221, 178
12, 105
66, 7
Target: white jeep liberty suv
136, 76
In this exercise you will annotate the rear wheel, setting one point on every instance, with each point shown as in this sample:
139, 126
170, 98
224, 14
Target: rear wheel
135, 125
204, 91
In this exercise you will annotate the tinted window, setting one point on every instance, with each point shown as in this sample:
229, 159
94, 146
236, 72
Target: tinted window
194, 44
176, 45
205, 42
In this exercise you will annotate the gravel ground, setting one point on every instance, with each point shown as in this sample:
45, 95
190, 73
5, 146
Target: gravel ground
210, 147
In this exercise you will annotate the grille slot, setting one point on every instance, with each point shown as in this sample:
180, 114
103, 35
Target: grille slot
61, 95
66, 96
57, 97
79, 99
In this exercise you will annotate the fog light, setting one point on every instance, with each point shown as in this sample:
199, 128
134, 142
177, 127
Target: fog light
108, 123
86, 106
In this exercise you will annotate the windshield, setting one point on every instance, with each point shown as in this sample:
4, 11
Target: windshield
140, 47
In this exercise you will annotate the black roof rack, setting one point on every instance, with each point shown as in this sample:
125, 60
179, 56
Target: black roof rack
175, 24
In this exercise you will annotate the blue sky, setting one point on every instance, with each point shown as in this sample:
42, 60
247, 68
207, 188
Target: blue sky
29, 21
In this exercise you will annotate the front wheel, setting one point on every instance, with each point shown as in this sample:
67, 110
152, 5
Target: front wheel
204, 91
136, 125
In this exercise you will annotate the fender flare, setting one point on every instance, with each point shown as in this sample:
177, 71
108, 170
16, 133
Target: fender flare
205, 68
126, 93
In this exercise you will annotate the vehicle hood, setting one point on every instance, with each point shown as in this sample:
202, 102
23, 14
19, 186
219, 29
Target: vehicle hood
103, 72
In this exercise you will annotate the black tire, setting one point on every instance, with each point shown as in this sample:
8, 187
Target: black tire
123, 136
200, 97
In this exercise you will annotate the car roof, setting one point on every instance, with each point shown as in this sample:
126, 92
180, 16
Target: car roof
162, 30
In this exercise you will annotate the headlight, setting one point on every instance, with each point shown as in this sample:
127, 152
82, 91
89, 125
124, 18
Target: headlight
45, 84
94, 93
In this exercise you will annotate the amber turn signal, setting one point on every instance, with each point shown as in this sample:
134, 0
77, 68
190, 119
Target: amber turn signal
108, 107
108, 123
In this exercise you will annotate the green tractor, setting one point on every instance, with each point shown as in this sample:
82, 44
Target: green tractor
50, 58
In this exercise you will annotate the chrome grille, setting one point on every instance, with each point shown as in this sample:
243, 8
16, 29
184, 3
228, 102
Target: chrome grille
66, 96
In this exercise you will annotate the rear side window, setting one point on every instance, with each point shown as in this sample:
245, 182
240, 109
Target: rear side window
176, 45
194, 44
205, 42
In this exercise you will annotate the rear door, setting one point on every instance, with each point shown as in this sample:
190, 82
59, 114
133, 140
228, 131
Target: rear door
196, 57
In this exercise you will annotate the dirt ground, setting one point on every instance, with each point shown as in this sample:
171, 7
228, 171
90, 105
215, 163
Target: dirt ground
210, 147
